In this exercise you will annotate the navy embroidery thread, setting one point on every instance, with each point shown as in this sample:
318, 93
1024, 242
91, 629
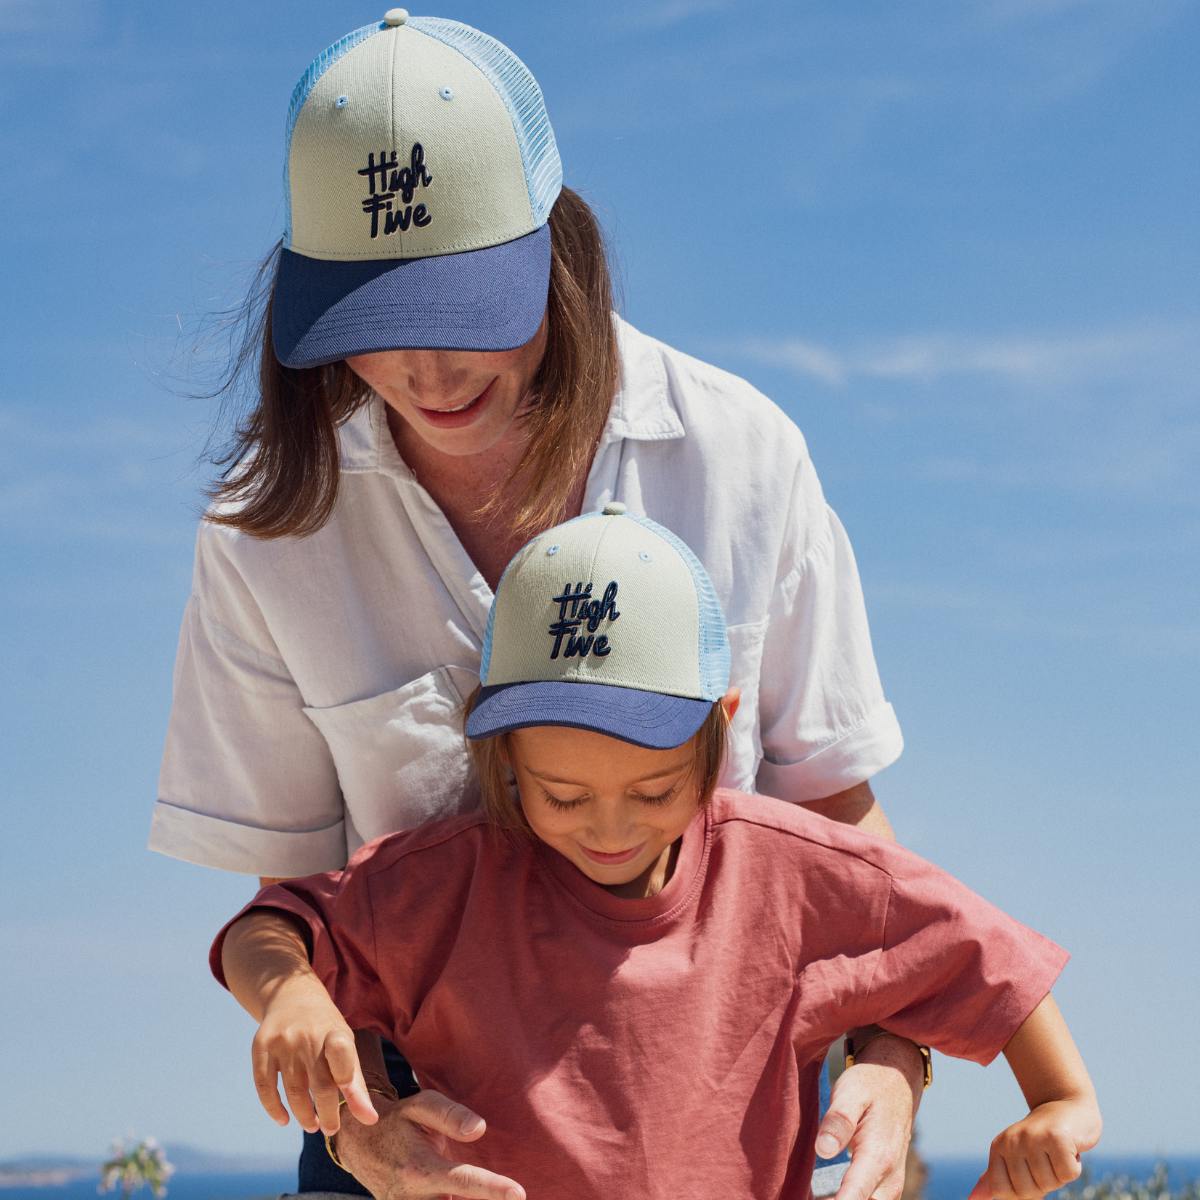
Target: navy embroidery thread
576, 609
385, 180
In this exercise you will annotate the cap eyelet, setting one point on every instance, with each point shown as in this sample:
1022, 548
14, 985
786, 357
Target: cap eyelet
645, 556
551, 551
341, 102
446, 93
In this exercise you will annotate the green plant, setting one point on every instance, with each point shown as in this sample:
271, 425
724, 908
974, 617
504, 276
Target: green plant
1124, 1187
139, 1164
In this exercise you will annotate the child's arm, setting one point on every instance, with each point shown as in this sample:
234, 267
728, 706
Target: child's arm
1041, 1152
302, 1035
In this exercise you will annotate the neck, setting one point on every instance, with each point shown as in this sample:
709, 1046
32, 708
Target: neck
653, 879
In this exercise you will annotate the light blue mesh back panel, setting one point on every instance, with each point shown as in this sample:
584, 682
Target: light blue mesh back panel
714, 641
523, 99
300, 93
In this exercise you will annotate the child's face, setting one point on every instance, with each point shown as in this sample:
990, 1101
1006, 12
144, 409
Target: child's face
613, 809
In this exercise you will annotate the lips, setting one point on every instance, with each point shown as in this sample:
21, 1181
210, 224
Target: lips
464, 414
612, 860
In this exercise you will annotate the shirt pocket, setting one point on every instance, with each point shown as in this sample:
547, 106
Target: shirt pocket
400, 756
744, 751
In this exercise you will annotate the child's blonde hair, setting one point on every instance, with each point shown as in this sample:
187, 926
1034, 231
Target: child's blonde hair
495, 777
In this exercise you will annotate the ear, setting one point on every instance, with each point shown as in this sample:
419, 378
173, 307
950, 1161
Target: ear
731, 701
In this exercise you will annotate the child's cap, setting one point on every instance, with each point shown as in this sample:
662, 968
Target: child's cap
607, 623
420, 172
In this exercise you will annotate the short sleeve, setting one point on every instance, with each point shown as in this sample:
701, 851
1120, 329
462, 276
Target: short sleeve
334, 910
247, 781
825, 723
955, 972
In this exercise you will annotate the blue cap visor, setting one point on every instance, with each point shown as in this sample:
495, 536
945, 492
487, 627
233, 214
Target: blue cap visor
647, 719
490, 299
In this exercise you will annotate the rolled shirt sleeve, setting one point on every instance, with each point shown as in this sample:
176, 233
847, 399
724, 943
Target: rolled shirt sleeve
825, 723
247, 781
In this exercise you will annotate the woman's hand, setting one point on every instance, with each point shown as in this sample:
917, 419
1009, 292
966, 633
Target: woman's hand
410, 1154
1040, 1153
872, 1110
305, 1039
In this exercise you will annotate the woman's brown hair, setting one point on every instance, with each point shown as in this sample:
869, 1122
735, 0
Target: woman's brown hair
490, 759
279, 475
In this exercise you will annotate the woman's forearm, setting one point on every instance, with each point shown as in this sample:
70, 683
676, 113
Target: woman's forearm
262, 952
1045, 1061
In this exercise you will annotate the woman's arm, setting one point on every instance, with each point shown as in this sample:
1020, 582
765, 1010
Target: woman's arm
1041, 1152
855, 806
304, 1037
875, 1102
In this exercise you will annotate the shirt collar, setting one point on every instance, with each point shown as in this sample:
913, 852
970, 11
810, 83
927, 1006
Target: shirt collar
641, 410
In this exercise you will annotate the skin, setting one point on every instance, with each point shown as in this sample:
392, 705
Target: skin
612, 799
874, 1103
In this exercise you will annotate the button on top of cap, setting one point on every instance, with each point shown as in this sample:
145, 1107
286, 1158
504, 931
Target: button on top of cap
614, 508
395, 16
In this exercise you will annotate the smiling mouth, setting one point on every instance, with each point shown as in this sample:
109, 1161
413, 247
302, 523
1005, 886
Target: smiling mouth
610, 860
460, 408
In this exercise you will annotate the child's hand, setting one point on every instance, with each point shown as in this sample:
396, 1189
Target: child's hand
1040, 1153
304, 1038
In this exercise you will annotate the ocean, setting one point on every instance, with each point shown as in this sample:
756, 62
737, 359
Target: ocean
949, 1179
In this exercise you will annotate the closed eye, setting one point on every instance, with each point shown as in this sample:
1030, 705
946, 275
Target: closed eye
661, 798
562, 805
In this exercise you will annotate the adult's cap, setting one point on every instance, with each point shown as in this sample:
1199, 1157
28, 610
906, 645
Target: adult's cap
421, 169
607, 623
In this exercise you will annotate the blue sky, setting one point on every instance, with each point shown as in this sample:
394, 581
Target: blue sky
957, 242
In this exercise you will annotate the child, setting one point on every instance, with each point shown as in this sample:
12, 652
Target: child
633, 976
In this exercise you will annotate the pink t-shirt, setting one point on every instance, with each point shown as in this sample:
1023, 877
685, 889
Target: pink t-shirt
667, 1047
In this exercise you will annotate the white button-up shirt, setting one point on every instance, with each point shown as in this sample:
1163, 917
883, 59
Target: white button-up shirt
319, 682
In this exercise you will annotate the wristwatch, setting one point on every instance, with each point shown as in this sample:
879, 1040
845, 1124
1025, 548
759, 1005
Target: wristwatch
858, 1039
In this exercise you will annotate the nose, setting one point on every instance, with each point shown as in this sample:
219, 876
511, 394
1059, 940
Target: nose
613, 829
435, 377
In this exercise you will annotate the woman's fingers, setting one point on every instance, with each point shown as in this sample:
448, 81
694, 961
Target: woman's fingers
265, 1072
436, 1112
408, 1153
341, 1059
475, 1183
871, 1112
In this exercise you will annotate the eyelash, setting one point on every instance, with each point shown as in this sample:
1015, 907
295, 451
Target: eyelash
568, 805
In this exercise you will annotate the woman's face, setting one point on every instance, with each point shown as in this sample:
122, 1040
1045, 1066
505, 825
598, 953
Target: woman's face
612, 809
459, 402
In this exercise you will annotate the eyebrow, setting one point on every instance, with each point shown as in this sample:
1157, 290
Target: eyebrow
641, 779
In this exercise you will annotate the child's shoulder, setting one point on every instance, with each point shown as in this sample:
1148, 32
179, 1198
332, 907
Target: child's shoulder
791, 829
439, 844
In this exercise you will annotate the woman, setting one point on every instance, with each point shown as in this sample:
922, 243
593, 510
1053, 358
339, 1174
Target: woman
440, 376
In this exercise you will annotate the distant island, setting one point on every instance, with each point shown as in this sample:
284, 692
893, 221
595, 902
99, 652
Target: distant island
53, 1170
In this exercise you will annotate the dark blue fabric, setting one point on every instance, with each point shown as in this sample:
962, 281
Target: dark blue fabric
490, 299
648, 719
318, 1172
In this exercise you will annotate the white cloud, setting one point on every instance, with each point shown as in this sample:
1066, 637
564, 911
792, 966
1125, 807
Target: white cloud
1030, 358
